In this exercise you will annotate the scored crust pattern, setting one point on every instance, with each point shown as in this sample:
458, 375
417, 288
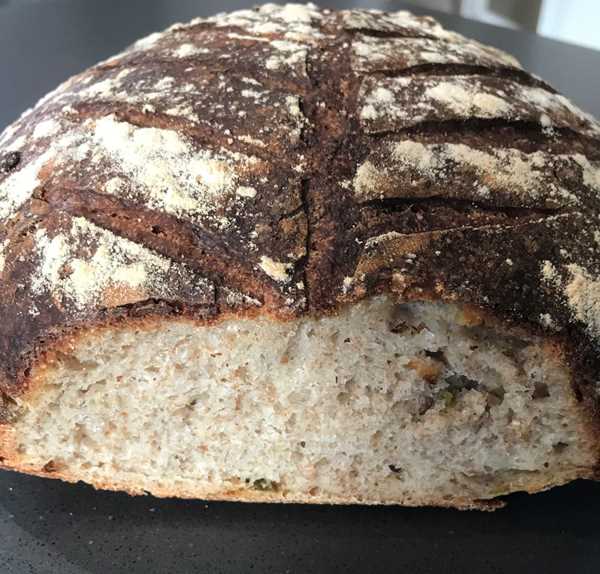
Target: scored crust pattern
290, 160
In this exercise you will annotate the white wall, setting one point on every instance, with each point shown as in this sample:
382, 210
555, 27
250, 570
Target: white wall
574, 21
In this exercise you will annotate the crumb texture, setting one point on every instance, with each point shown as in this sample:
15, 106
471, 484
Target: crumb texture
413, 402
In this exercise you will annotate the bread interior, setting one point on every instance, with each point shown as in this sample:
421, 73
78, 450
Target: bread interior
417, 403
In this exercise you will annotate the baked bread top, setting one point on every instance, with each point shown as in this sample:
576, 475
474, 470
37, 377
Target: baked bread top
289, 160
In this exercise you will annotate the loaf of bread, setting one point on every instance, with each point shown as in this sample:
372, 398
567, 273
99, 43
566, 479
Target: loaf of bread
291, 254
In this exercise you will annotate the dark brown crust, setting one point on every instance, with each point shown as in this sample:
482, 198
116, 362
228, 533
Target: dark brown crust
418, 241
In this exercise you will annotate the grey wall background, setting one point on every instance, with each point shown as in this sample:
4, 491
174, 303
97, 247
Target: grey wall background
43, 42
574, 21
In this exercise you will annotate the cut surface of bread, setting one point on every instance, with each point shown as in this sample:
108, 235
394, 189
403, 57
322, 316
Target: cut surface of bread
415, 403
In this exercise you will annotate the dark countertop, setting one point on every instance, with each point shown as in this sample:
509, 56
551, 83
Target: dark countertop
52, 527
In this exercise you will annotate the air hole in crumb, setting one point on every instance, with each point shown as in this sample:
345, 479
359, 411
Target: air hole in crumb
376, 439
74, 364
51, 466
344, 396
428, 369
404, 321
314, 491
424, 404
351, 386
495, 396
265, 484
540, 391
560, 447
291, 422
438, 355
458, 382
510, 415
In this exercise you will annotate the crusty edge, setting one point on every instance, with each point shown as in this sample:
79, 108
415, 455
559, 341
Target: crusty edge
137, 484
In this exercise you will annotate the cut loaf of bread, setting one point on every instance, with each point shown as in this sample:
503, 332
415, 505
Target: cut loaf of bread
296, 255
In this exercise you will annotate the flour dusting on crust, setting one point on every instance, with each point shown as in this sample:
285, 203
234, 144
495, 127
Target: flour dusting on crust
85, 265
506, 175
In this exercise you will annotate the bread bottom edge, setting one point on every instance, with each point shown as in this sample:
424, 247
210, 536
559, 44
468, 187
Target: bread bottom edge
137, 485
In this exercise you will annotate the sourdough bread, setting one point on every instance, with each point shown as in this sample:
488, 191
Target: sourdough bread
291, 254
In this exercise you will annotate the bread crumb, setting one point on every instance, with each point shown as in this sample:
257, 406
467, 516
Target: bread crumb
253, 94
368, 112
293, 104
304, 13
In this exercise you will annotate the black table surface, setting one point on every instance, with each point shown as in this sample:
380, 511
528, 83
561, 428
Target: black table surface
52, 527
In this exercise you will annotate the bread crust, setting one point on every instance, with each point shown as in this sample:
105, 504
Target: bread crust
360, 153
